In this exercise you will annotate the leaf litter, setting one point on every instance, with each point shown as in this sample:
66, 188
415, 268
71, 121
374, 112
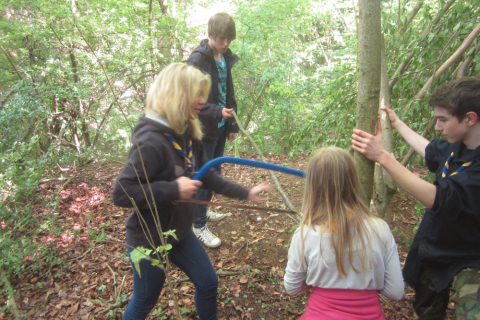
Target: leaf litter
94, 280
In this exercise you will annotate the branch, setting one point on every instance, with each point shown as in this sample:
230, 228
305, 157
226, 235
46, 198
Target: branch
385, 187
462, 69
272, 174
11, 62
219, 273
385, 100
115, 306
412, 15
424, 35
250, 114
463, 47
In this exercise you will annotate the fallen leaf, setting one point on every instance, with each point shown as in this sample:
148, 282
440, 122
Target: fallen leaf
243, 279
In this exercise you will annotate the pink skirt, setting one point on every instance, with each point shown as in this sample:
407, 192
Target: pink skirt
343, 304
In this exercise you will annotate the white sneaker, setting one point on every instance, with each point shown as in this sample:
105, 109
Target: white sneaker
207, 237
213, 216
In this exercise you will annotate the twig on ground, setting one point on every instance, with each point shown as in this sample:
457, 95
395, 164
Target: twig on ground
114, 279
65, 184
256, 240
240, 249
219, 273
80, 257
115, 306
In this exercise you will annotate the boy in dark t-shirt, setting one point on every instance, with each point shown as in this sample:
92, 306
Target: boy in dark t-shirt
445, 254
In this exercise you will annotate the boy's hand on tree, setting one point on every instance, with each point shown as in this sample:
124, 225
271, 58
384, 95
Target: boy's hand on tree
394, 119
371, 146
187, 187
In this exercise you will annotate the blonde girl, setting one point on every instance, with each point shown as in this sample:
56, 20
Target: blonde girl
340, 250
166, 150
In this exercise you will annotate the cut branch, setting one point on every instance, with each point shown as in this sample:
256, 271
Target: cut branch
272, 174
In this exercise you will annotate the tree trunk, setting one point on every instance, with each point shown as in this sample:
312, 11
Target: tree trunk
385, 187
369, 36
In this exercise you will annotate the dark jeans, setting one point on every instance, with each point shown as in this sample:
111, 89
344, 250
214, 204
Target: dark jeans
213, 149
192, 259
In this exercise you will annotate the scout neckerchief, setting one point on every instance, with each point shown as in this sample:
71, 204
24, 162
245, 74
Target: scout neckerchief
446, 167
188, 158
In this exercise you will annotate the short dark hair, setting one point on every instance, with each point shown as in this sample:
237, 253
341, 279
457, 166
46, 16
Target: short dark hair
222, 25
458, 97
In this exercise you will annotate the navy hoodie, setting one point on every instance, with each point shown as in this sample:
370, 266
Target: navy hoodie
163, 165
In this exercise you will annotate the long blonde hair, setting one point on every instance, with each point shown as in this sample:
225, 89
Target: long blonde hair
174, 91
332, 199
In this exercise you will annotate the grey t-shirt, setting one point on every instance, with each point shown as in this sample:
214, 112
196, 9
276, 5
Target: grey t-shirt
320, 270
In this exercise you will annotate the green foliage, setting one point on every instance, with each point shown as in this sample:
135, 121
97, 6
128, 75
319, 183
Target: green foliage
71, 79
419, 209
424, 47
288, 50
138, 254
160, 253
80, 75
19, 252
72, 83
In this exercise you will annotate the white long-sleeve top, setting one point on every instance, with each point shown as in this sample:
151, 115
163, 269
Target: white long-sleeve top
321, 270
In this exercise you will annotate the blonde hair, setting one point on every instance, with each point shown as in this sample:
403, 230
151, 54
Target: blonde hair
332, 199
173, 92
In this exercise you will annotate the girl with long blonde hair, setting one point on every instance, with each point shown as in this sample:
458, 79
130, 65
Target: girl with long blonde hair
340, 250
166, 151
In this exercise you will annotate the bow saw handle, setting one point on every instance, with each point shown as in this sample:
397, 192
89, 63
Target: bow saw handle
252, 163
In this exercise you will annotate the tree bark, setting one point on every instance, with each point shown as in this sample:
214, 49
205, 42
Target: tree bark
384, 186
163, 7
369, 61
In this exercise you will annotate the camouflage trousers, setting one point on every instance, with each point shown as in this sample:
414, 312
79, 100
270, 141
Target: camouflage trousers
465, 290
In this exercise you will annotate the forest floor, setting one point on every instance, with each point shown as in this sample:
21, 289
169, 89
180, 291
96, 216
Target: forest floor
94, 280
